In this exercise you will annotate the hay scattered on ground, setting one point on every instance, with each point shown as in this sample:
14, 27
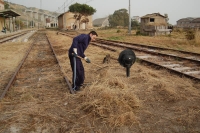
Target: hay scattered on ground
149, 100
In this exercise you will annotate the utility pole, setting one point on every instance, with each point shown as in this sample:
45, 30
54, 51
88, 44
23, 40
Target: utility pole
40, 4
38, 19
40, 14
19, 24
26, 19
129, 17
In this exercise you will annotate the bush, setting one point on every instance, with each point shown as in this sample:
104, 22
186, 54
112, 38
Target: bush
138, 32
177, 30
197, 37
190, 35
118, 31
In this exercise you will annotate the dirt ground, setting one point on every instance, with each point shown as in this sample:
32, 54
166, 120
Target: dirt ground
149, 101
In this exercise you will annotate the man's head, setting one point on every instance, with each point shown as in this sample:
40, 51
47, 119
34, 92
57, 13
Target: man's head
93, 35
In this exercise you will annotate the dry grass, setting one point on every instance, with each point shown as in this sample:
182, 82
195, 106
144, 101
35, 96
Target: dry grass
10, 56
197, 37
149, 100
8, 50
176, 40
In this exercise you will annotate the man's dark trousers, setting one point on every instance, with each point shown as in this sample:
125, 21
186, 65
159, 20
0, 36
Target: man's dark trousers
80, 74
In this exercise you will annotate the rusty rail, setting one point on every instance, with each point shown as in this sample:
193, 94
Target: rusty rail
66, 79
178, 62
14, 77
150, 46
12, 37
150, 51
16, 72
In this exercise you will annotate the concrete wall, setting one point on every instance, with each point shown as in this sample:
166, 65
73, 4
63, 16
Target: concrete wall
67, 20
1, 6
1, 23
154, 25
105, 23
60, 22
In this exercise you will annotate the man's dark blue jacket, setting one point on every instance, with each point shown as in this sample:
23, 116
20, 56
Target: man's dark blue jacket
80, 42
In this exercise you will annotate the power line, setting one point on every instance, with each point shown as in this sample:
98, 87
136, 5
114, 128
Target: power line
88, 1
62, 8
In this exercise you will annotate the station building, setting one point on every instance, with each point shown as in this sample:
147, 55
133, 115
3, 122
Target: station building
67, 21
7, 18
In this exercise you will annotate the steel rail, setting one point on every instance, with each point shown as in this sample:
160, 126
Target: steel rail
10, 83
123, 44
172, 70
151, 52
104, 46
141, 45
16, 72
186, 74
150, 46
12, 37
66, 79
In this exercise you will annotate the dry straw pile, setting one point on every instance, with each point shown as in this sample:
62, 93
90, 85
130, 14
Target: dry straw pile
149, 100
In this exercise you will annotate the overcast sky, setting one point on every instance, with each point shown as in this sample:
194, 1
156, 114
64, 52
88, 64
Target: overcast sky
176, 9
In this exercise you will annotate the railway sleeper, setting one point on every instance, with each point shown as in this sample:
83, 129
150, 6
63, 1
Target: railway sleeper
38, 82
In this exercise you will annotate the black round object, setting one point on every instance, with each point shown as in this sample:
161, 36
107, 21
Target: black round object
127, 58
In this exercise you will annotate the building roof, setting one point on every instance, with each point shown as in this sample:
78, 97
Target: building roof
152, 15
64, 13
186, 19
8, 13
136, 18
196, 20
61, 15
99, 21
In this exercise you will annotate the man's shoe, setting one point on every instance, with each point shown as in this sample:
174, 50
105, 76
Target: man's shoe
77, 88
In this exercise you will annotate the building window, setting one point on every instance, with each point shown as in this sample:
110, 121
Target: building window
152, 19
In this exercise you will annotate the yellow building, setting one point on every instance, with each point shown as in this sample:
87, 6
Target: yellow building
7, 18
67, 21
1, 18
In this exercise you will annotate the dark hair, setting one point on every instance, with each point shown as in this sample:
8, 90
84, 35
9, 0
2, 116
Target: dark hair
93, 33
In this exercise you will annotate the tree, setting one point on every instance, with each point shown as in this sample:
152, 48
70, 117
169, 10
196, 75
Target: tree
81, 10
167, 18
135, 24
6, 5
119, 18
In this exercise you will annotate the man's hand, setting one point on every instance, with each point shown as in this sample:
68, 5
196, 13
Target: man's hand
87, 60
74, 54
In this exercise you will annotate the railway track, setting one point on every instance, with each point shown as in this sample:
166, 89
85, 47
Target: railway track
183, 63
39, 68
22, 36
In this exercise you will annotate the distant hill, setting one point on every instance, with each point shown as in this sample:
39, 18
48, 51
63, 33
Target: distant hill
21, 10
